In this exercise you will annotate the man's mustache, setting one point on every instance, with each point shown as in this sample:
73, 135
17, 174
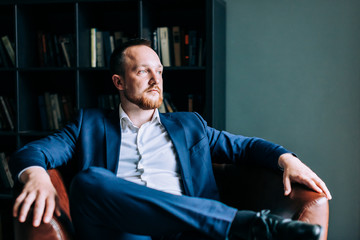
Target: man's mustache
153, 88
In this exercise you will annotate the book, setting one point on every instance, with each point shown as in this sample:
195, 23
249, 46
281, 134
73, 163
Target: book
190, 103
55, 111
3, 121
59, 109
49, 111
112, 43
193, 48
118, 38
93, 47
168, 106
165, 46
64, 43
9, 49
107, 47
5, 172
100, 59
185, 47
4, 58
51, 50
11, 106
57, 54
6, 110
155, 42
177, 45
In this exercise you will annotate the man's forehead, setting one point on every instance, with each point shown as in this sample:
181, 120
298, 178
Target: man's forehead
142, 56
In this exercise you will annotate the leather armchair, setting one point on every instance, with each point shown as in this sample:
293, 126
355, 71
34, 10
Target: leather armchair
241, 187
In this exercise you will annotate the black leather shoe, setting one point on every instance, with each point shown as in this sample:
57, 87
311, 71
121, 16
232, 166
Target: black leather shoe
270, 227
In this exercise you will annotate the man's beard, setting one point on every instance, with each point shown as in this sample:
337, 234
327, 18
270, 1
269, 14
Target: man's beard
144, 102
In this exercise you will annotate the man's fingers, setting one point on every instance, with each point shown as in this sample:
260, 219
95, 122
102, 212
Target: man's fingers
18, 203
49, 210
324, 189
312, 185
38, 210
287, 185
25, 207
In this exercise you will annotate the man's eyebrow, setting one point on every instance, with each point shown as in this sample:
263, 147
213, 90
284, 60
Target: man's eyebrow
146, 65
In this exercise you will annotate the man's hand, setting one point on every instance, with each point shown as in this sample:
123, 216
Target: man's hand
296, 171
38, 191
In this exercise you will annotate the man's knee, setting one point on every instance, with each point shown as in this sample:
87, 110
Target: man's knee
89, 183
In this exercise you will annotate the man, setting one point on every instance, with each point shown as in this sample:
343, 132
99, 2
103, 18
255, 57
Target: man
145, 175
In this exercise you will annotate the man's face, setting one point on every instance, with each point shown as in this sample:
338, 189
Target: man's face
143, 83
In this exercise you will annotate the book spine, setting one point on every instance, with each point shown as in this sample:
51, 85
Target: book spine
5, 165
177, 46
7, 113
192, 48
100, 59
165, 47
3, 172
54, 111
63, 43
44, 50
9, 49
107, 47
93, 47
59, 111
3, 56
185, 47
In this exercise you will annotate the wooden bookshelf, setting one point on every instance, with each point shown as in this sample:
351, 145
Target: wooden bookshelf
22, 20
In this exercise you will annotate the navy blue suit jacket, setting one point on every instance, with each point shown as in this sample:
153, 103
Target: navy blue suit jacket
94, 138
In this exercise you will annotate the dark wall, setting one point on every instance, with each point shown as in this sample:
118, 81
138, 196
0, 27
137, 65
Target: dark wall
293, 77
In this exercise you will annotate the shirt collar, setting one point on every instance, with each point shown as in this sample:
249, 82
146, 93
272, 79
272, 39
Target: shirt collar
126, 121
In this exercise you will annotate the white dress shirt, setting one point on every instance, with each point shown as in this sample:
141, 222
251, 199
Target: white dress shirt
147, 155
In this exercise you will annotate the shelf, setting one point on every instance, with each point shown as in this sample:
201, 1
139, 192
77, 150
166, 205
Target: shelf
46, 69
30, 23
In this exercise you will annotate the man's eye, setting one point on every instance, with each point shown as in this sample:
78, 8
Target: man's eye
142, 71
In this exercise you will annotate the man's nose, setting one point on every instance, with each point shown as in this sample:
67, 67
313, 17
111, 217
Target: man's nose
155, 77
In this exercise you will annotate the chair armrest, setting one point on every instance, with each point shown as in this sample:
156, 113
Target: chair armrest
253, 188
59, 228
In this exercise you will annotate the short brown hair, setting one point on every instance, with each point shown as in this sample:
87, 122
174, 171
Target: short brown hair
117, 60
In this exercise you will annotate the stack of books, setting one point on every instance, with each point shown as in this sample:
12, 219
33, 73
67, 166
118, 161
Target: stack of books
55, 110
102, 44
178, 46
56, 50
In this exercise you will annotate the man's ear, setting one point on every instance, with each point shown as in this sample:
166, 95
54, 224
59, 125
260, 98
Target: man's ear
118, 81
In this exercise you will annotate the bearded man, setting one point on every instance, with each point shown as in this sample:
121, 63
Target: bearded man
140, 174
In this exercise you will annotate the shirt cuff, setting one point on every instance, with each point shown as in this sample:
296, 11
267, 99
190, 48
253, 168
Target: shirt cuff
19, 175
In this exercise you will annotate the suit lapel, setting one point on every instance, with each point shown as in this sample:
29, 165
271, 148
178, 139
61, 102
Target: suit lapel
177, 136
113, 136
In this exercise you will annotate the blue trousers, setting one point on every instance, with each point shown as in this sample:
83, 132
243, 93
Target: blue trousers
104, 206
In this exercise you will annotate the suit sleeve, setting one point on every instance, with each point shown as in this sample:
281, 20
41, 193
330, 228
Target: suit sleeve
49, 152
230, 148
